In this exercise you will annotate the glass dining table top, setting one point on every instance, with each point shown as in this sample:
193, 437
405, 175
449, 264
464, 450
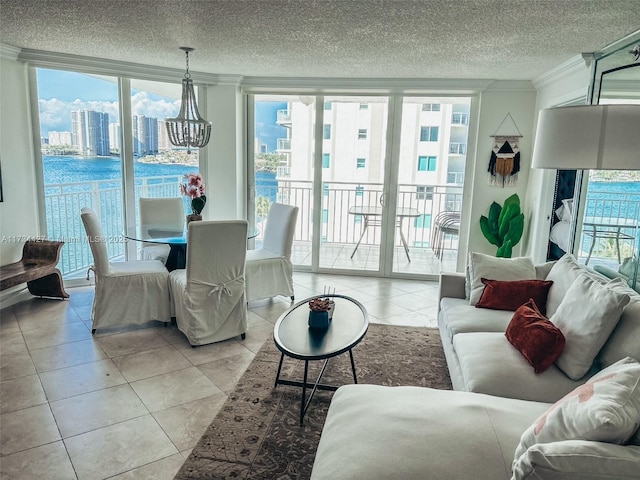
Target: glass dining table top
158, 233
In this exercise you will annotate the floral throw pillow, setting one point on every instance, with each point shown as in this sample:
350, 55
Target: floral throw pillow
605, 409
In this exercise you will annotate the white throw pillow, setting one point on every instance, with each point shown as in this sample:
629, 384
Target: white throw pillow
605, 409
563, 274
495, 268
625, 339
579, 460
586, 317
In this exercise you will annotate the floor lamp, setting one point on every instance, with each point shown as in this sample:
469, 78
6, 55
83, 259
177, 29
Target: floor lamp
589, 137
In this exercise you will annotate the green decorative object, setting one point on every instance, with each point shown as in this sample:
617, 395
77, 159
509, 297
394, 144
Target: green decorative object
504, 225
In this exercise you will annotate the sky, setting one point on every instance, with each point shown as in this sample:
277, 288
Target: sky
60, 92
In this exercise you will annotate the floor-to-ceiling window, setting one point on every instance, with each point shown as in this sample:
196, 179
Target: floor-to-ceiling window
87, 148
349, 159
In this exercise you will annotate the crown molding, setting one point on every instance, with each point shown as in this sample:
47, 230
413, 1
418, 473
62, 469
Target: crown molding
575, 65
101, 66
9, 52
370, 85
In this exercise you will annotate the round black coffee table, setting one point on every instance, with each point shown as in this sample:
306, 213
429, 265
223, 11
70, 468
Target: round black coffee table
295, 339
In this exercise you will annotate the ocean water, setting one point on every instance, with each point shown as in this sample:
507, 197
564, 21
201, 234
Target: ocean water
64, 169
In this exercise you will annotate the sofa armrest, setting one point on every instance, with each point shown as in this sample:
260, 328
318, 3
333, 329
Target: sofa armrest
452, 285
578, 459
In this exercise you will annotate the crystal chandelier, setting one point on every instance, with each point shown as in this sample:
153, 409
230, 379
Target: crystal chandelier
188, 129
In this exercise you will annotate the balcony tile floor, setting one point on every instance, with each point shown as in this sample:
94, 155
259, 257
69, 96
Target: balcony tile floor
131, 403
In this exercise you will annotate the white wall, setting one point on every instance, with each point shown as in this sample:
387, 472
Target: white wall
225, 176
500, 99
18, 211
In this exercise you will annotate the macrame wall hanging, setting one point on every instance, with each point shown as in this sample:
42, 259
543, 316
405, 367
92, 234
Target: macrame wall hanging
505, 156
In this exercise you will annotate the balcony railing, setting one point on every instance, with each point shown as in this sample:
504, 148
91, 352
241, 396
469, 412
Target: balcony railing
64, 201
283, 145
283, 117
458, 148
459, 119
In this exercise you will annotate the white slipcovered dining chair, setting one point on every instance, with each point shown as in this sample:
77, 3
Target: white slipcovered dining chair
269, 268
160, 217
209, 294
130, 292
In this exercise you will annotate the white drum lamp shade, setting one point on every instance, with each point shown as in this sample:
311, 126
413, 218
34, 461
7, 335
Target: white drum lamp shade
588, 137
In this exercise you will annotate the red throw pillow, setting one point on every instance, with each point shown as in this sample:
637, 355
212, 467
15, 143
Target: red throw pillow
535, 337
502, 295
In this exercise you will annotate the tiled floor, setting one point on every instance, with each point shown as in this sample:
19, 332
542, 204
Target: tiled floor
421, 260
131, 403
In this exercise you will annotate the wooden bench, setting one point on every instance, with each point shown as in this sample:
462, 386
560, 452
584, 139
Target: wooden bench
37, 268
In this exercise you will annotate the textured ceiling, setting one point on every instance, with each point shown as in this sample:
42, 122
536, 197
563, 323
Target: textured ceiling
472, 39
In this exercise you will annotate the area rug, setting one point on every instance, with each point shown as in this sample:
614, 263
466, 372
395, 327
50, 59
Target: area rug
256, 434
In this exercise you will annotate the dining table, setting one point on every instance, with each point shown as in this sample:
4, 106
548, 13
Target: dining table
177, 241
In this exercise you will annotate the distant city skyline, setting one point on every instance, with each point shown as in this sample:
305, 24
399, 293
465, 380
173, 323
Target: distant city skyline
61, 92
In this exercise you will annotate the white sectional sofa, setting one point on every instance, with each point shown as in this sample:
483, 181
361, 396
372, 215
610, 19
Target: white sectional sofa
492, 426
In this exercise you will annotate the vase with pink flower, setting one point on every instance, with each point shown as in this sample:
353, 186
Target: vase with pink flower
193, 187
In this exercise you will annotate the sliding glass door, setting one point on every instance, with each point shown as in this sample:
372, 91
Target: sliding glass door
373, 177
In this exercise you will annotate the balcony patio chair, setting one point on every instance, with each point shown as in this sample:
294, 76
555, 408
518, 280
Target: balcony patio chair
269, 268
131, 292
445, 223
160, 217
209, 294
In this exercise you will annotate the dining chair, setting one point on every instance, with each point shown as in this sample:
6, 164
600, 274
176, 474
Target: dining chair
127, 292
209, 294
160, 217
269, 268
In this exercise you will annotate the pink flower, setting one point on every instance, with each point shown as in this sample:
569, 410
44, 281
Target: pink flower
193, 187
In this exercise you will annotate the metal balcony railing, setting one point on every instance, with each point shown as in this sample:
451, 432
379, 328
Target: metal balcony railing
64, 201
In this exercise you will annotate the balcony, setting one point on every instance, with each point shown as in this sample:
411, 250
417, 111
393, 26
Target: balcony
457, 148
459, 119
283, 117
455, 178
339, 231
283, 145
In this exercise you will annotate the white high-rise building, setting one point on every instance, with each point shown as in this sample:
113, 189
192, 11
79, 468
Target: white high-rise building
90, 130
114, 137
60, 138
145, 135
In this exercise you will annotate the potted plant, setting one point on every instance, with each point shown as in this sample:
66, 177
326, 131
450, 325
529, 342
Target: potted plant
319, 312
193, 187
504, 225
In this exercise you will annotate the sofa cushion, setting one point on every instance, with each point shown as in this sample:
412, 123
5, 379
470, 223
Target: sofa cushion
491, 365
493, 268
538, 340
505, 295
605, 409
457, 316
578, 460
375, 432
625, 339
587, 316
563, 274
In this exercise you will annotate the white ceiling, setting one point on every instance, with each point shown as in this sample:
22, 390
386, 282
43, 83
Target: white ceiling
468, 39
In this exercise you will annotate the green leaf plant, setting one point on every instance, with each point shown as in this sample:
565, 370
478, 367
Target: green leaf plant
504, 225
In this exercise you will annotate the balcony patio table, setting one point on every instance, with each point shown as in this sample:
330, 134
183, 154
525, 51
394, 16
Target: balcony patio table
596, 227
176, 240
372, 217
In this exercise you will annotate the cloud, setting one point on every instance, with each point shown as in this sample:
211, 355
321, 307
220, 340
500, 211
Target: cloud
55, 115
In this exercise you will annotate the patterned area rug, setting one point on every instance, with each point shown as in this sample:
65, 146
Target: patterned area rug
256, 434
